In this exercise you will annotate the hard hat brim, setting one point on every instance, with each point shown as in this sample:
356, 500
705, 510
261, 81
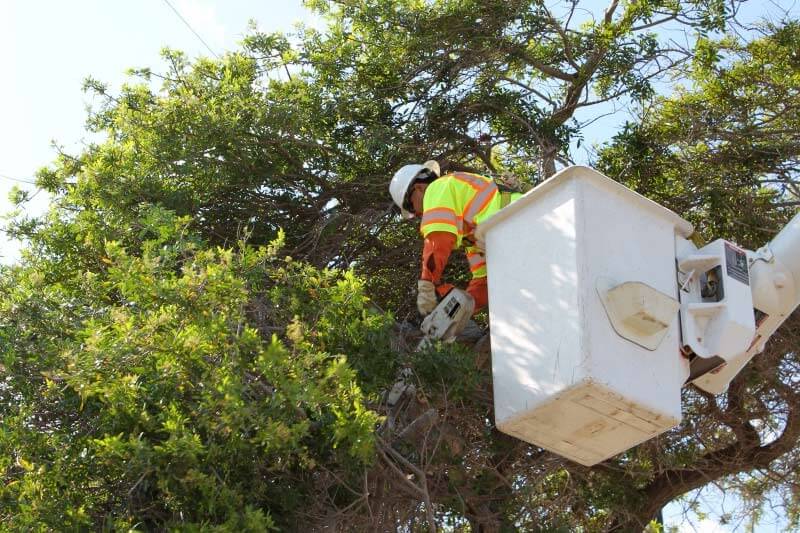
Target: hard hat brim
433, 165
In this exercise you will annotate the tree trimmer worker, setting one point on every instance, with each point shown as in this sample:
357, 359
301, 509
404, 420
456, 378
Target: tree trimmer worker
451, 206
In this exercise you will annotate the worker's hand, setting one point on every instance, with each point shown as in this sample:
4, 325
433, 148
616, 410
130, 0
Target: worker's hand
426, 297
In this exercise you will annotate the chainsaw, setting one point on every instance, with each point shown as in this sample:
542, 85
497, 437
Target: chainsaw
447, 319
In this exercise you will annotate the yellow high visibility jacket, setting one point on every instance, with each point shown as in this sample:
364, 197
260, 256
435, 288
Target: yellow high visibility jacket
457, 203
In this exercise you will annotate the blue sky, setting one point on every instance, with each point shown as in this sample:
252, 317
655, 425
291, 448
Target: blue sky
49, 47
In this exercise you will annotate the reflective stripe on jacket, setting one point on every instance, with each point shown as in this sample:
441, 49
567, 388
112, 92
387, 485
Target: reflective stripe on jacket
457, 203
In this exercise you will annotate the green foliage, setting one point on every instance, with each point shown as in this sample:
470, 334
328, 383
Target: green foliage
164, 405
329, 309
432, 366
722, 154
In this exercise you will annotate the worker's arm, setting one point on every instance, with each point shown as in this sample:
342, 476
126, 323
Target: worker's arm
435, 254
477, 287
439, 228
479, 290
477, 261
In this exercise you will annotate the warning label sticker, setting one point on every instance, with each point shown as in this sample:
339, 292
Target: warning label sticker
736, 262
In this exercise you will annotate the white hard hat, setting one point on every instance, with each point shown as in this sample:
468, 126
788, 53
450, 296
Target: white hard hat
403, 179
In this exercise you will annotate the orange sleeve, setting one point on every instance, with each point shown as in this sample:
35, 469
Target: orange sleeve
435, 253
479, 290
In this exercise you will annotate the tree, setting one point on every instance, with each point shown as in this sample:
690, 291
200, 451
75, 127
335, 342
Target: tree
463, 77
194, 337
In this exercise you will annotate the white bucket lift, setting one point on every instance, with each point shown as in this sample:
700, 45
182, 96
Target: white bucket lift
584, 305
587, 280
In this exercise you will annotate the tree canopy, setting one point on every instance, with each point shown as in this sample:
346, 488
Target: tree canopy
201, 330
